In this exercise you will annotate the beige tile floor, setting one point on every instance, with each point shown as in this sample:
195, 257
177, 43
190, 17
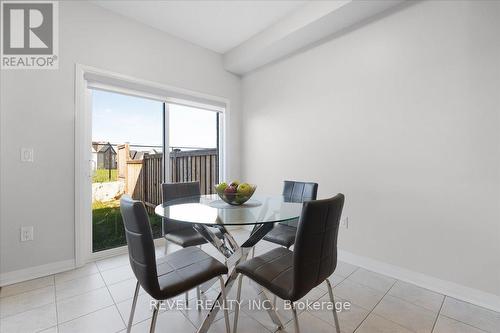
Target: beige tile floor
97, 298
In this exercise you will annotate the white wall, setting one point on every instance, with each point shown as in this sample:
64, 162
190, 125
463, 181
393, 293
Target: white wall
37, 110
402, 116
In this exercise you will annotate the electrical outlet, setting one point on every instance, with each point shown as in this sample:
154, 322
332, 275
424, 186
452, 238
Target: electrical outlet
26, 154
345, 222
26, 234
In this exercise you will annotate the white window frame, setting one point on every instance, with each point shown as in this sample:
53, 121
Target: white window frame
118, 83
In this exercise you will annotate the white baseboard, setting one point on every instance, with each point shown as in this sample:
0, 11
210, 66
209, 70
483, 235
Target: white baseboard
35, 272
61, 266
452, 289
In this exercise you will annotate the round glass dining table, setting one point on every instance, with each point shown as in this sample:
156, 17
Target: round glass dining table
206, 213
211, 210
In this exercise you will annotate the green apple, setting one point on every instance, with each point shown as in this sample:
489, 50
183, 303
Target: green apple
221, 187
240, 198
245, 189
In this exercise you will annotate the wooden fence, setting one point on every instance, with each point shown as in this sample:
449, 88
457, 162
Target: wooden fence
201, 165
143, 178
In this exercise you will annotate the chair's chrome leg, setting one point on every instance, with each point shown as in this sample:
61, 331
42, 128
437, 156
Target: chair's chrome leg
187, 298
155, 316
274, 301
198, 296
253, 251
237, 310
271, 312
224, 303
295, 319
335, 317
132, 310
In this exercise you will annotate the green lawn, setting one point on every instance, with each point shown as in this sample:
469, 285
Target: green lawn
102, 176
107, 225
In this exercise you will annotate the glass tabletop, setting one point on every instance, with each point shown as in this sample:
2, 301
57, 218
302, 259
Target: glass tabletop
210, 209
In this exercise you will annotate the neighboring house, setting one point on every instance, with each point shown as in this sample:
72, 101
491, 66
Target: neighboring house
139, 154
106, 155
136, 155
94, 159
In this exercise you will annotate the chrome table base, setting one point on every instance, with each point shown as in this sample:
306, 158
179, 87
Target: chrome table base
234, 254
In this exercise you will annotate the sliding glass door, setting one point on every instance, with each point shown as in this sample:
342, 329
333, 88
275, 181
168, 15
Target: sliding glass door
139, 143
125, 130
193, 146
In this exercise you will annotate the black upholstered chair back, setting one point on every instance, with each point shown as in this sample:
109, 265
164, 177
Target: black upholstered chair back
140, 243
175, 192
315, 251
298, 192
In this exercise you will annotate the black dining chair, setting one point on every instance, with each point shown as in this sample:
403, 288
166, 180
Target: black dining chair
182, 234
290, 275
168, 276
179, 233
283, 233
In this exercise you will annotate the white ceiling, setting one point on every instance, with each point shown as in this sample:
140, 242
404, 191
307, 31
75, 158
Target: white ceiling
216, 25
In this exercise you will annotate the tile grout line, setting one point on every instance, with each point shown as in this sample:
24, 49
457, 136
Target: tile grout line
407, 328
185, 312
80, 293
55, 303
163, 312
24, 311
251, 318
305, 311
462, 322
76, 277
417, 305
439, 312
392, 321
91, 312
468, 324
371, 311
354, 271
100, 270
27, 291
343, 278
81, 316
112, 298
372, 288
363, 285
440, 309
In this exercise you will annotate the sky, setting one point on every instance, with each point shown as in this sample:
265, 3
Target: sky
120, 118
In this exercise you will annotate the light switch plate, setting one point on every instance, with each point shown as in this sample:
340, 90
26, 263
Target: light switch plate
26, 154
26, 234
